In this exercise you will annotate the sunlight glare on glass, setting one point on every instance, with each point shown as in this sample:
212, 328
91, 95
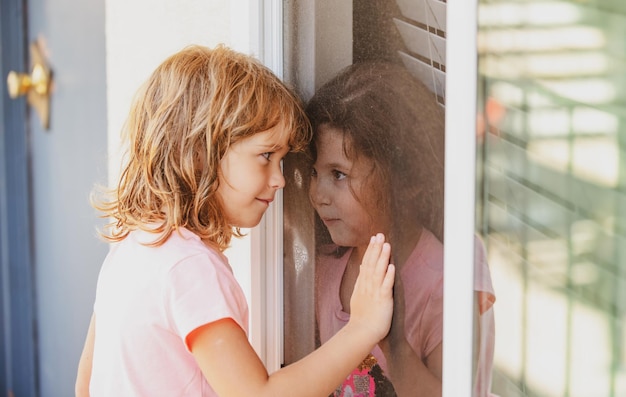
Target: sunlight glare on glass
512, 14
541, 39
567, 64
597, 91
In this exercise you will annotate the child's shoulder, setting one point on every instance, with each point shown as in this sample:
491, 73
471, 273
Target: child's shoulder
188, 243
429, 241
180, 245
428, 252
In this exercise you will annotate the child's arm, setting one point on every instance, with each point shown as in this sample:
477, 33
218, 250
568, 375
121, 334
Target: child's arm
81, 388
233, 368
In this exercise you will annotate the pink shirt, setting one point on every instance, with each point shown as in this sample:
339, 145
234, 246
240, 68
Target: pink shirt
422, 278
148, 300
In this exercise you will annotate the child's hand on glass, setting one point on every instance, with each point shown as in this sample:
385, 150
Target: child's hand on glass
371, 304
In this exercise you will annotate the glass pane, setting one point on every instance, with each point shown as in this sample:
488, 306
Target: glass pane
551, 195
373, 76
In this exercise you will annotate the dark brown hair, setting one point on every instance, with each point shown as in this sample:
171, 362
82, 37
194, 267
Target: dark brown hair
392, 119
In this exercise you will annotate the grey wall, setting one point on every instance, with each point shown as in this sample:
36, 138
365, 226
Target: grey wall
66, 161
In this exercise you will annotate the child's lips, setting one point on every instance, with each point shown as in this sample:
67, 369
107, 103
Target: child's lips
330, 221
266, 201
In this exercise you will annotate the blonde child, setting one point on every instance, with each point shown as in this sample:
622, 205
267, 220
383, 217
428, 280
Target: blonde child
206, 137
378, 164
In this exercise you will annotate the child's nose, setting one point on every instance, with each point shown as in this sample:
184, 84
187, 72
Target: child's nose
316, 193
277, 180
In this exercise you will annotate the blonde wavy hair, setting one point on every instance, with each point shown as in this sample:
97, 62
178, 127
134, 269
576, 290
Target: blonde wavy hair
184, 118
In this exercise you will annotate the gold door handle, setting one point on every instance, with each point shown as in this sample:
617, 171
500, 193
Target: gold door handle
20, 83
36, 85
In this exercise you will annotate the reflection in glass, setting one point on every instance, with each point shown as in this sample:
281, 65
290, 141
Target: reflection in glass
376, 165
551, 193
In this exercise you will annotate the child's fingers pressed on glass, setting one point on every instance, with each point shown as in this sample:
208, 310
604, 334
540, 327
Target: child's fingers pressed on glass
375, 264
372, 253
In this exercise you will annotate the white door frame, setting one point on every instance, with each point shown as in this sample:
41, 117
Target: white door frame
460, 179
266, 290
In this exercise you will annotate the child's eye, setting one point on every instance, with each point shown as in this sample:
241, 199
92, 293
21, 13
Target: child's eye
338, 175
313, 172
266, 155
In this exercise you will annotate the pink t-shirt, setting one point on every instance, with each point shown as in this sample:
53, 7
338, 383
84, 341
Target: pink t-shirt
422, 278
148, 300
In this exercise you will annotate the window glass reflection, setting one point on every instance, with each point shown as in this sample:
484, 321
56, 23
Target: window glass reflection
376, 165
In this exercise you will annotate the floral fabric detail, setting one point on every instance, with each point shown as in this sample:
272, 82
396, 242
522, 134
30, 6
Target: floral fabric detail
367, 380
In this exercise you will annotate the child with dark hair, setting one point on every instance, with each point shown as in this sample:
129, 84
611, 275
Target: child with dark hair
378, 164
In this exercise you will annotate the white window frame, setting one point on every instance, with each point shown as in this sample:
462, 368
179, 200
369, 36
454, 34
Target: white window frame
266, 240
459, 209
